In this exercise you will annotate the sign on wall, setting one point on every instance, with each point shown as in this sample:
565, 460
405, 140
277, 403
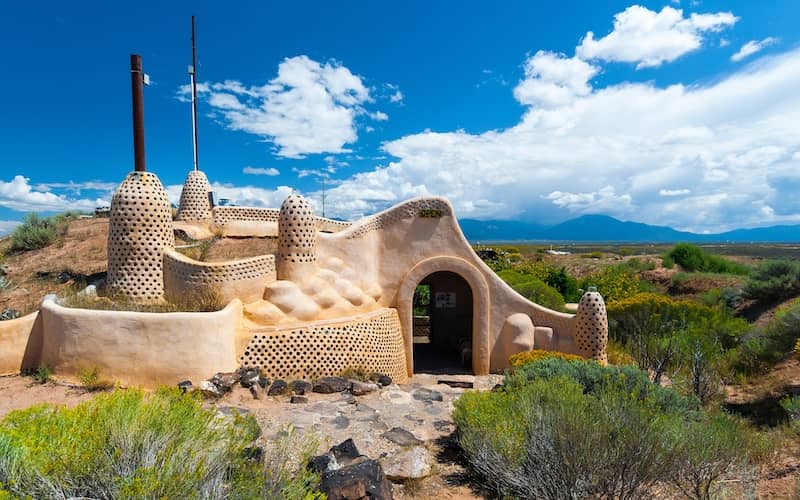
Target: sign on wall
445, 300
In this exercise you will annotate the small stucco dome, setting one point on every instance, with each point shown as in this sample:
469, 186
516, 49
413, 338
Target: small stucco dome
591, 326
297, 237
140, 228
195, 204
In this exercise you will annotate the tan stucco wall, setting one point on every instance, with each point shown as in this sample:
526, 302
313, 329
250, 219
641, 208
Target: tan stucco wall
20, 343
402, 245
140, 349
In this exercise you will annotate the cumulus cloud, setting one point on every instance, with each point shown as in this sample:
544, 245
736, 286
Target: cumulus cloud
6, 226
261, 171
649, 38
18, 194
628, 150
553, 80
752, 47
309, 107
379, 116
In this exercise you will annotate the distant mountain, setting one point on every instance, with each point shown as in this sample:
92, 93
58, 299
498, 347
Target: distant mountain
604, 228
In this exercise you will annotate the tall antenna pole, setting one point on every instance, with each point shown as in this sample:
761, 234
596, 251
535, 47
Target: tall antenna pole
137, 93
193, 77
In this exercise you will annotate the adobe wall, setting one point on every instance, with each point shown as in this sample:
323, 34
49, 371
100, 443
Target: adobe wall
244, 279
402, 245
140, 349
20, 343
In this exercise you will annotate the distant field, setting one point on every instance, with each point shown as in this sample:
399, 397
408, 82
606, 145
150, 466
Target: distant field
754, 251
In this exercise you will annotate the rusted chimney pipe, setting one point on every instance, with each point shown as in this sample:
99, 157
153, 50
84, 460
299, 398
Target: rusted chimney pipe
137, 81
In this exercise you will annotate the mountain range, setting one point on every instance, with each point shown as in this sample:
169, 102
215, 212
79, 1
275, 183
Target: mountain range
602, 228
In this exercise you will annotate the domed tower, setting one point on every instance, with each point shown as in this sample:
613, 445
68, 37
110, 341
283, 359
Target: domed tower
297, 239
591, 326
140, 227
195, 202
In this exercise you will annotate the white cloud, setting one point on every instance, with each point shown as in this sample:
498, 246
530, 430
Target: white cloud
18, 194
752, 47
379, 116
394, 93
724, 42
673, 192
553, 80
77, 187
309, 107
649, 38
261, 171
734, 142
6, 226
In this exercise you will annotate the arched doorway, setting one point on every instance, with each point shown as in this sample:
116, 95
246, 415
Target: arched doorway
480, 306
442, 326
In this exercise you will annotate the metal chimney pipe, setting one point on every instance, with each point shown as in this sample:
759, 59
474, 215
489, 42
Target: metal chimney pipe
137, 82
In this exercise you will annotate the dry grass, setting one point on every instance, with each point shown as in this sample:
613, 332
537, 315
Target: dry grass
191, 303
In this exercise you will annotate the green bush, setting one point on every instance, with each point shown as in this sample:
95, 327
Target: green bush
762, 348
791, 405
774, 280
693, 258
540, 293
614, 283
35, 232
580, 430
126, 444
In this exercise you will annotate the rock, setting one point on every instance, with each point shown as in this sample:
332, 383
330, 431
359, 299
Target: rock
185, 386
411, 463
278, 388
400, 436
209, 390
263, 382
427, 395
9, 314
329, 385
248, 377
346, 451
456, 384
322, 463
298, 399
253, 391
444, 426
225, 381
301, 387
341, 422
361, 388
348, 398
355, 482
382, 380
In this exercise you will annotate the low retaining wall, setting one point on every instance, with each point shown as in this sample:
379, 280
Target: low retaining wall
244, 279
224, 216
373, 341
140, 349
20, 343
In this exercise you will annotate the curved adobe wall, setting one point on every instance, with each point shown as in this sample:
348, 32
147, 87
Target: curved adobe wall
244, 279
195, 204
140, 228
227, 215
372, 341
20, 343
480, 307
135, 348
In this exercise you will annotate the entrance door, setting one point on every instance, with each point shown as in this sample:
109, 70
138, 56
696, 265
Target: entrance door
443, 324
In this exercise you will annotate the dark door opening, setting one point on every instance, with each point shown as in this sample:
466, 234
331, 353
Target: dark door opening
442, 324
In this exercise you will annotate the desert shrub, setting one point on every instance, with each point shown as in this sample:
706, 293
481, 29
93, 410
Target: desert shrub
762, 348
730, 298
522, 358
357, 373
791, 405
774, 280
618, 354
637, 265
797, 349
90, 378
551, 437
693, 258
541, 293
566, 284
126, 444
614, 283
191, 302
43, 374
35, 232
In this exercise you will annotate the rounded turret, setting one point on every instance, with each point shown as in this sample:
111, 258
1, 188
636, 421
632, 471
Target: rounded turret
195, 204
297, 239
140, 227
591, 326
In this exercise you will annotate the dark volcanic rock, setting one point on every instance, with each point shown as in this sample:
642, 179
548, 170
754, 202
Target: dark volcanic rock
225, 381
355, 482
382, 380
361, 388
400, 436
248, 377
345, 451
278, 388
263, 382
301, 387
185, 386
329, 385
298, 399
253, 391
428, 395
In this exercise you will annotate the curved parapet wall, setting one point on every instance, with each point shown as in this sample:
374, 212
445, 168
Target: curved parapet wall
331, 226
228, 215
140, 229
20, 343
195, 204
372, 341
135, 348
244, 279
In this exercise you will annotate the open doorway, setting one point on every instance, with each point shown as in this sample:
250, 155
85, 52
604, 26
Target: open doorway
442, 324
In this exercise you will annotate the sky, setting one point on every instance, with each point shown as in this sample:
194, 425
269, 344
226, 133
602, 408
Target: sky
680, 113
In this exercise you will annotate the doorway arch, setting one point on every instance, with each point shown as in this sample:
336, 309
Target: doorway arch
480, 306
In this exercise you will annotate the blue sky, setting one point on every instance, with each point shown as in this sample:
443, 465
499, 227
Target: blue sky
676, 113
